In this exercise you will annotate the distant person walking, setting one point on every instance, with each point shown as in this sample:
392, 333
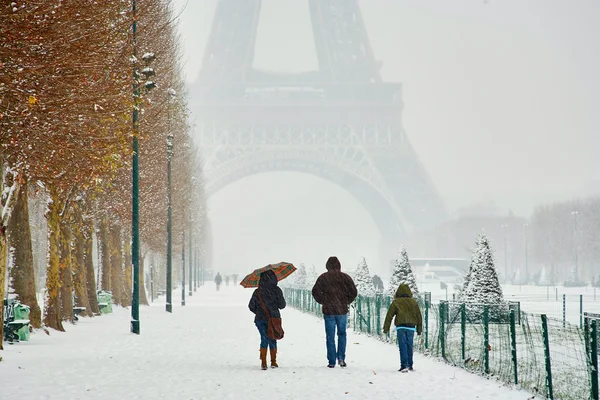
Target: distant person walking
226, 280
335, 290
218, 281
407, 318
266, 301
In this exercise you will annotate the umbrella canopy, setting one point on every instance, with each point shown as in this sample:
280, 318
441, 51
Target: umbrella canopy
282, 270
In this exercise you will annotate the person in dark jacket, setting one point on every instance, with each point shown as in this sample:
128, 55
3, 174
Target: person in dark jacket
335, 290
269, 296
218, 280
407, 318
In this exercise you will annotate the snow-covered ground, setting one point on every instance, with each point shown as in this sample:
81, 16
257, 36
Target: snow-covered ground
209, 350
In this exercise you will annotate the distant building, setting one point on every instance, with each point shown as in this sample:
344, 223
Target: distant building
447, 270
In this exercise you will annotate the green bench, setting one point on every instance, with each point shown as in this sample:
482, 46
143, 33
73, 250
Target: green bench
13, 328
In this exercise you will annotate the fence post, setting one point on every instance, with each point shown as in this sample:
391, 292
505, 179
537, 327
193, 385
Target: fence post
442, 323
360, 313
594, 359
378, 311
486, 339
513, 344
547, 357
368, 315
564, 310
355, 313
580, 311
426, 324
463, 323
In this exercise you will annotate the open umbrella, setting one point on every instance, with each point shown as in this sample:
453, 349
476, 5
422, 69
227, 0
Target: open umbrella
282, 270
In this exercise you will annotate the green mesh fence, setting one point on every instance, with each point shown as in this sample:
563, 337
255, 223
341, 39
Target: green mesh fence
545, 356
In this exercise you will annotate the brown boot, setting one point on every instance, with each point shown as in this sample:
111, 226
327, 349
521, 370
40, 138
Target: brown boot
274, 358
263, 359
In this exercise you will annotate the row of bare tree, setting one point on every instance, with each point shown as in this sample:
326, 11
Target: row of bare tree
66, 99
558, 242
566, 240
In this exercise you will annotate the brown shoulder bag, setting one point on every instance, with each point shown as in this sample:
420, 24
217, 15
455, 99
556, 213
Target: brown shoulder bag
274, 328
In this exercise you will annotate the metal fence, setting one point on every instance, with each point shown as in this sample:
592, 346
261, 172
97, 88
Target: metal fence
546, 356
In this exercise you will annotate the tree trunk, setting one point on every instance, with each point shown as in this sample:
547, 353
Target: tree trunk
65, 272
88, 229
22, 271
116, 264
104, 259
127, 279
79, 270
2, 279
143, 297
52, 301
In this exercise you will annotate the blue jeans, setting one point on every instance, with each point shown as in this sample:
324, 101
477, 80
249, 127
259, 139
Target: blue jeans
405, 344
331, 322
264, 339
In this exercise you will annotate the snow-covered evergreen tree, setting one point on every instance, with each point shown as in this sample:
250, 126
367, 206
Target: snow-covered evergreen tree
483, 285
363, 279
300, 278
543, 279
402, 273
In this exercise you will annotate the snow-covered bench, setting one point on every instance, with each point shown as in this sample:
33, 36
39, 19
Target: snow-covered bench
12, 325
11, 329
102, 306
77, 311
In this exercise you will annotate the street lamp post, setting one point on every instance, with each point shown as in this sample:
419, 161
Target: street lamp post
135, 208
135, 297
575, 217
526, 253
152, 283
504, 226
183, 267
169, 288
196, 270
191, 278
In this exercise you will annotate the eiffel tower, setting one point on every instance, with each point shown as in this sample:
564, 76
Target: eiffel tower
341, 122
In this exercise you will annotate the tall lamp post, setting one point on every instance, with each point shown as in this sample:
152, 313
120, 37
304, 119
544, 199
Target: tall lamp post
169, 288
135, 209
504, 226
135, 223
191, 278
183, 268
575, 215
526, 226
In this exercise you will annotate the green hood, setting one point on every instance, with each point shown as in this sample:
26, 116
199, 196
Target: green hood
403, 291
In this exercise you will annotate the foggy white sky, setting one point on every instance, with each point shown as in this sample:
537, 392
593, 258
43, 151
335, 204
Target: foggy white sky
501, 103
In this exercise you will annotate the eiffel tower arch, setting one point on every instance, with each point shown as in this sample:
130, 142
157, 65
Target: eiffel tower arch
341, 122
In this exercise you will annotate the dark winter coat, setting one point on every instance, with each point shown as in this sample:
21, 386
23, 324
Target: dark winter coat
334, 289
271, 295
218, 279
405, 310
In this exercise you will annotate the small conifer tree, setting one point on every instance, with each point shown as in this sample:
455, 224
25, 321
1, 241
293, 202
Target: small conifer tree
363, 279
402, 273
483, 286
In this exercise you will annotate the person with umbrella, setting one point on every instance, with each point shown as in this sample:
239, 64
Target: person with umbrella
265, 303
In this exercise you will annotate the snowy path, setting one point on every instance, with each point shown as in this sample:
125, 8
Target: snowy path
209, 350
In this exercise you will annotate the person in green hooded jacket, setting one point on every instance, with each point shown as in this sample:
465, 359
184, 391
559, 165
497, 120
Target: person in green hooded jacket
407, 318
